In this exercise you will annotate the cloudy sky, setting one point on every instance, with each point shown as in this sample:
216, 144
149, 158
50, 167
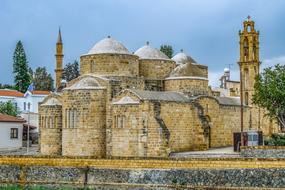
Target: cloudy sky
205, 29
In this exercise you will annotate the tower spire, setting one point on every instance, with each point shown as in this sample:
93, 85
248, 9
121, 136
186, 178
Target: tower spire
59, 60
59, 39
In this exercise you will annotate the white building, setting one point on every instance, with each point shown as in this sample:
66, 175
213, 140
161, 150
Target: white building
11, 132
25, 101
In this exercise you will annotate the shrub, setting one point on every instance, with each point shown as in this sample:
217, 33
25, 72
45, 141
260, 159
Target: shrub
275, 140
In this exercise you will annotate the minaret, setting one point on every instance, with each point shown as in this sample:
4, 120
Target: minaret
249, 59
59, 59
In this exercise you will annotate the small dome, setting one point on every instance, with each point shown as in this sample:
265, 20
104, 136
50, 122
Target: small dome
182, 58
186, 70
148, 52
226, 70
52, 102
85, 83
109, 45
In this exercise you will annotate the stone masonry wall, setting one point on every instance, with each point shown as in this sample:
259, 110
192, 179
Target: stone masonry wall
263, 151
110, 64
187, 86
183, 123
84, 122
50, 122
138, 133
155, 69
208, 173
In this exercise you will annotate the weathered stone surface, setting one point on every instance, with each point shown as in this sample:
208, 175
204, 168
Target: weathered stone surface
54, 174
9, 173
145, 178
263, 152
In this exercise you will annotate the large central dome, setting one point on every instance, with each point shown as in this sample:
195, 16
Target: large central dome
109, 45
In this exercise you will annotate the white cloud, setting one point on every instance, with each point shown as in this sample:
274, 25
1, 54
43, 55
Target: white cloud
272, 61
214, 76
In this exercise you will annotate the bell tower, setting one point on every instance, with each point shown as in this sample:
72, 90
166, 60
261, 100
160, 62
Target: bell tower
249, 59
59, 59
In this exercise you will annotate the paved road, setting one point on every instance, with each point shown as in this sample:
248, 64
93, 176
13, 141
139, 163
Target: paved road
211, 153
22, 151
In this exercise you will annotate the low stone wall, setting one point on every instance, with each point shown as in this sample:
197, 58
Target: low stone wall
263, 151
230, 173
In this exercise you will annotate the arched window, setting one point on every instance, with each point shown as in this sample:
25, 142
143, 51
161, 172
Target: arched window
123, 121
50, 122
119, 121
46, 121
66, 118
246, 78
246, 98
74, 118
245, 47
70, 118
115, 121
248, 28
254, 53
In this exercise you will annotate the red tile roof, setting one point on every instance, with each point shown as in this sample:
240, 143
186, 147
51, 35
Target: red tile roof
15, 93
9, 118
40, 92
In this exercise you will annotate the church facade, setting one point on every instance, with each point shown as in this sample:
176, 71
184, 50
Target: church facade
144, 104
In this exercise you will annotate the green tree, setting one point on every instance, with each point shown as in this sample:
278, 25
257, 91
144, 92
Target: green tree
42, 79
22, 77
6, 86
9, 108
167, 50
71, 71
269, 93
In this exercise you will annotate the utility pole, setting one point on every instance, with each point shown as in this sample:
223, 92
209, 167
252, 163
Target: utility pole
28, 131
241, 109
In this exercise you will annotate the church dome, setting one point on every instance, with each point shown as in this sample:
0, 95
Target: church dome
226, 70
148, 52
85, 83
109, 45
185, 70
182, 58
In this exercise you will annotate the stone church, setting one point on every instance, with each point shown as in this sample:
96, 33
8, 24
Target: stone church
144, 104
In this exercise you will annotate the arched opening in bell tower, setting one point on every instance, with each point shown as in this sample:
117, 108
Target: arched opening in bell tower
245, 49
246, 78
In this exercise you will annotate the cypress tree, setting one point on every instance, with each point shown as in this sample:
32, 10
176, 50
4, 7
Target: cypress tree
22, 78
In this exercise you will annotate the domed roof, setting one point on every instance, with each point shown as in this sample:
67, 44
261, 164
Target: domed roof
185, 70
182, 58
148, 52
52, 102
85, 83
226, 70
109, 45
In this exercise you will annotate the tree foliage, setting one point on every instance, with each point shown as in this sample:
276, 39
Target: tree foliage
71, 71
42, 79
6, 86
22, 77
270, 93
275, 140
167, 50
9, 108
